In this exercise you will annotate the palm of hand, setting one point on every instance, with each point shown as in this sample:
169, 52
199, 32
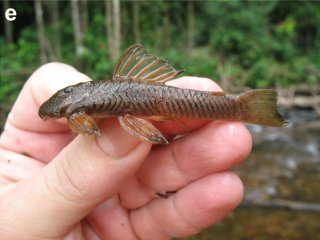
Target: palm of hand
59, 185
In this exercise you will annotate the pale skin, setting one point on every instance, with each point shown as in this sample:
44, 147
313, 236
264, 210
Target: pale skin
56, 185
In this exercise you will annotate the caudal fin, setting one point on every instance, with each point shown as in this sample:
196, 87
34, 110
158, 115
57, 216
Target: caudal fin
260, 107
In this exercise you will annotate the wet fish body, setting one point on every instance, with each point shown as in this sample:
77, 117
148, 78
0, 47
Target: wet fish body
118, 99
138, 90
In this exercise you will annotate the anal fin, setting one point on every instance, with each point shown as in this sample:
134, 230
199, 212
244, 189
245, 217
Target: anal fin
142, 129
84, 124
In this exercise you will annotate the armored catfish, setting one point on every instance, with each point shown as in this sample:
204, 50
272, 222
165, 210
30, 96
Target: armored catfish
137, 93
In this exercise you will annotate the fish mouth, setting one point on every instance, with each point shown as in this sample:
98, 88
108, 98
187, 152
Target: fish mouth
46, 111
42, 116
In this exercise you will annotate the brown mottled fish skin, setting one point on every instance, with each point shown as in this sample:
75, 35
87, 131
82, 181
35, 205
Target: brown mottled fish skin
138, 89
104, 98
161, 100
118, 99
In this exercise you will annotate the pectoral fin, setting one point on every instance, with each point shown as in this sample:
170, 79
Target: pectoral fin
83, 124
142, 129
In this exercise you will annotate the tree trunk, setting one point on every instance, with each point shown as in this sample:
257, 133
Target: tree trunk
76, 27
40, 28
136, 25
84, 20
54, 16
117, 29
108, 25
190, 31
166, 38
8, 24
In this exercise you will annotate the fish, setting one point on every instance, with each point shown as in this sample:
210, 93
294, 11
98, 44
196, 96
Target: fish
137, 94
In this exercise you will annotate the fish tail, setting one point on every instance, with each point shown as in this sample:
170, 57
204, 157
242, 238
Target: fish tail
260, 107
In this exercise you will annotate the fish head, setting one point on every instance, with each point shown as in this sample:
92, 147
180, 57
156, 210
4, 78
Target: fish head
64, 102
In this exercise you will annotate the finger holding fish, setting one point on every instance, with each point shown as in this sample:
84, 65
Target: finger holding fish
141, 88
138, 89
193, 208
213, 148
92, 163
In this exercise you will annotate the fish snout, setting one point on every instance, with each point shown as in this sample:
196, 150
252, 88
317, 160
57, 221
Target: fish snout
42, 113
44, 118
46, 112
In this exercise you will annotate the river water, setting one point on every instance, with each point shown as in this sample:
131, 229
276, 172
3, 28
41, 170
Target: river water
282, 170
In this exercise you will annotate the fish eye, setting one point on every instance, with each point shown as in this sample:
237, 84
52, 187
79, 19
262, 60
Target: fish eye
68, 90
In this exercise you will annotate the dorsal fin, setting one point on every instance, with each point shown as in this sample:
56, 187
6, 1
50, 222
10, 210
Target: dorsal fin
136, 65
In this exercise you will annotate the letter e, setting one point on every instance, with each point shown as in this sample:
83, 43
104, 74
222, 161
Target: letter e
11, 14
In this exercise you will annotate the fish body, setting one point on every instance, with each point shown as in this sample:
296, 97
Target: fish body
138, 90
101, 98
166, 101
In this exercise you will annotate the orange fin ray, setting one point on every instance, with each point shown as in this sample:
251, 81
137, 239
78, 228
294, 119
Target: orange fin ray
142, 129
141, 66
83, 124
126, 59
138, 66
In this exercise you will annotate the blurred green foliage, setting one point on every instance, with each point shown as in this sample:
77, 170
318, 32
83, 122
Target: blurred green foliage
257, 44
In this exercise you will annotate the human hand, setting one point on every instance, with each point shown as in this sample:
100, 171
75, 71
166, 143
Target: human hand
55, 185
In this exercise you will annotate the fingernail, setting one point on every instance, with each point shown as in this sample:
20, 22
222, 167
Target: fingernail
114, 140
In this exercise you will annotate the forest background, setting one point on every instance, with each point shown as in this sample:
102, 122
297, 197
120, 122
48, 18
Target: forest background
236, 43
239, 44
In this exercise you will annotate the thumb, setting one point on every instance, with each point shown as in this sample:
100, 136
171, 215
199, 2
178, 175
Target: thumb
85, 173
